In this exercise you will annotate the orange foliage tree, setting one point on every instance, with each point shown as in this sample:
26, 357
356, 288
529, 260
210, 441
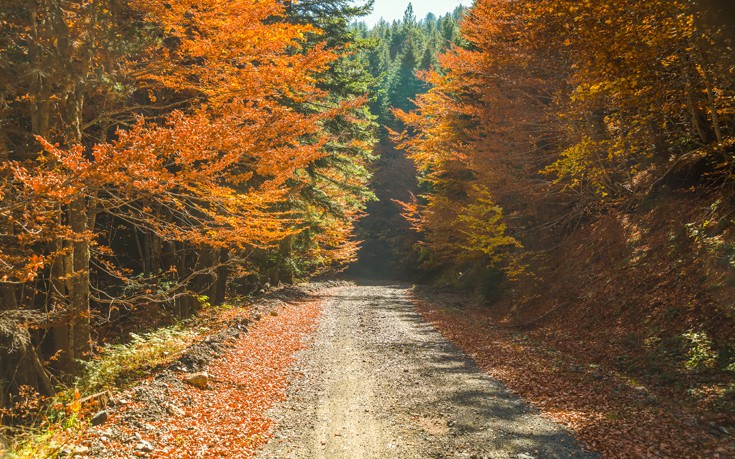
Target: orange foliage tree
205, 144
557, 109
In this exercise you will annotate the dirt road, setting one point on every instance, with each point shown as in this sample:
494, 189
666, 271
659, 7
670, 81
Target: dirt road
379, 382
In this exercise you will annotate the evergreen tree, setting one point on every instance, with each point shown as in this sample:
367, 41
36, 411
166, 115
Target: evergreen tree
401, 48
333, 190
398, 50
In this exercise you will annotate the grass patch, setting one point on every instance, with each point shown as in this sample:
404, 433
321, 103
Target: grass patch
119, 364
52, 423
45, 441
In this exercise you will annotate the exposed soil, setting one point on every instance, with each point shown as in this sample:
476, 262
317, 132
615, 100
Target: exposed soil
624, 290
377, 381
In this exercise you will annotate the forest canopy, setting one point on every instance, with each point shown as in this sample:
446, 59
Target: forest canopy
550, 113
153, 154
565, 161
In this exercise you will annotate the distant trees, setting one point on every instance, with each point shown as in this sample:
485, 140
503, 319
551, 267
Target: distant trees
556, 110
396, 54
403, 48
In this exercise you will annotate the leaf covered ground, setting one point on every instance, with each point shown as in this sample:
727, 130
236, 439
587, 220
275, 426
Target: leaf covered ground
165, 418
608, 412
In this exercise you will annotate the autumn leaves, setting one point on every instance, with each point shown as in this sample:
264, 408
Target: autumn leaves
230, 419
558, 110
176, 140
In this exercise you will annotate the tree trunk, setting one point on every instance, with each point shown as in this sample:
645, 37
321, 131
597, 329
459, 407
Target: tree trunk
286, 250
44, 382
712, 106
185, 304
74, 338
220, 286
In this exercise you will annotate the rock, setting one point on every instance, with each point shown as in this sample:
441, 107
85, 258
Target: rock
99, 418
68, 451
174, 410
81, 449
199, 380
144, 446
101, 399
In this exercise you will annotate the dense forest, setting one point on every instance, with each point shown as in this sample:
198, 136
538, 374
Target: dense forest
570, 163
154, 154
144, 174
576, 168
399, 51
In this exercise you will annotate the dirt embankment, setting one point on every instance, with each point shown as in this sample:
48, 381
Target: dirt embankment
610, 411
647, 293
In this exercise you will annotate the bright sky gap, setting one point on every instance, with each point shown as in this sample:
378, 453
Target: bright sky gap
393, 9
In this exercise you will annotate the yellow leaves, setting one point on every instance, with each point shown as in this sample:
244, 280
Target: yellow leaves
76, 405
481, 224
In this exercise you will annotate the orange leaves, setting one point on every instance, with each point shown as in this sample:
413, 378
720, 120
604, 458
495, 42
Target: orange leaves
75, 405
592, 102
214, 172
412, 213
180, 137
641, 77
600, 406
234, 49
235, 152
229, 420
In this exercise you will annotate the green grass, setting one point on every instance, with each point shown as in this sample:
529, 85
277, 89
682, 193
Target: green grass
119, 363
60, 422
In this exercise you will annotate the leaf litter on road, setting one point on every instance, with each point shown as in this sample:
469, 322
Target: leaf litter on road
227, 419
604, 410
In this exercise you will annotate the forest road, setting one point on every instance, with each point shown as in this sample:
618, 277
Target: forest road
377, 381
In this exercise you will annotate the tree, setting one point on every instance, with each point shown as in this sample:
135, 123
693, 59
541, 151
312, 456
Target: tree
189, 138
401, 50
557, 110
330, 195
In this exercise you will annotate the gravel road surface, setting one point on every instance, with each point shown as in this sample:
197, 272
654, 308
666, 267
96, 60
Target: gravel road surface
377, 381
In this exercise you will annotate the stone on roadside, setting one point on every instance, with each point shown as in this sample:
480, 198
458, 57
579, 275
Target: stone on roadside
99, 418
144, 446
68, 451
199, 380
174, 410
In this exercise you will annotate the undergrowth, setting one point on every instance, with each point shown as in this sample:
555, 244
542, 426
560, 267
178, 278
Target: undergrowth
119, 363
45, 425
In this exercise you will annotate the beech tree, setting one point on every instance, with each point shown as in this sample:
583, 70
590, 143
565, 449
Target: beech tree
170, 146
558, 110
59, 56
